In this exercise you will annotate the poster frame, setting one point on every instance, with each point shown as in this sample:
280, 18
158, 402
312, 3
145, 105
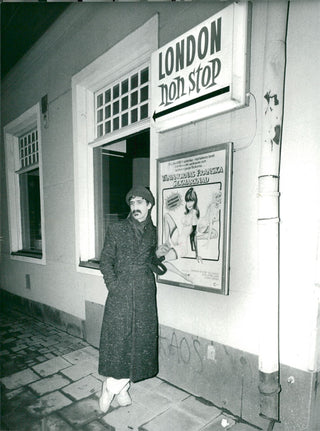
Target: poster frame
223, 259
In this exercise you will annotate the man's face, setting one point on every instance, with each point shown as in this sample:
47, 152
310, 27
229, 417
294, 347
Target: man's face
139, 208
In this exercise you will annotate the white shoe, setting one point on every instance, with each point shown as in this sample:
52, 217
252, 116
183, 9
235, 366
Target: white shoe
105, 399
123, 398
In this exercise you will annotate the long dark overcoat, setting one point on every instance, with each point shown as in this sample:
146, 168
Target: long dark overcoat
129, 333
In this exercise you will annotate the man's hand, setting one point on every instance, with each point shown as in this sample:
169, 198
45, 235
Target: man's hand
162, 250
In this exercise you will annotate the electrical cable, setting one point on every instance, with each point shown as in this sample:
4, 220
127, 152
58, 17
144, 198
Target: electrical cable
255, 128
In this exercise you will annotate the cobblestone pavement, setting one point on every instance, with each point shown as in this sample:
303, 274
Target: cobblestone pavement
49, 381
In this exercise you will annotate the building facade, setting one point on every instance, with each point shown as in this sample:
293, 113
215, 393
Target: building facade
152, 92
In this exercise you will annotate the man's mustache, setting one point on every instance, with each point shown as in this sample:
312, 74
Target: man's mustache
136, 212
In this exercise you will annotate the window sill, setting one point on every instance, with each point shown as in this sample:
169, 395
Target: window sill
28, 253
92, 264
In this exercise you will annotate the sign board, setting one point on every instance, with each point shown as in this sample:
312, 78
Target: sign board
203, 72
194, 200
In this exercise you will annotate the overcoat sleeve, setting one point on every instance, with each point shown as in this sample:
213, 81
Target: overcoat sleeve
107, 260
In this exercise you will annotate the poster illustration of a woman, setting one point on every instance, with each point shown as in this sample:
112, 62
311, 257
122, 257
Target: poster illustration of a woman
208, 226
179, 241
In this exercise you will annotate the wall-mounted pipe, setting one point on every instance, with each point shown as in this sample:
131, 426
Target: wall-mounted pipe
268, 207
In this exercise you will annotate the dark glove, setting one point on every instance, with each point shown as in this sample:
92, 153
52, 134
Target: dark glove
157, 266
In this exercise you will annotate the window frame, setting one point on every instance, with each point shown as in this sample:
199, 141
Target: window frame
119, 99
136, 50
12, 131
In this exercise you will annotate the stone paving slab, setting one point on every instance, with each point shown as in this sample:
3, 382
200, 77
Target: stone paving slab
21, 378
19, 347
173, 419
48, 404
82, 412
83, 388
87, 353
149, 384
153, 400
51, 366
170, 392
14, 393
19, 421
99, 377
13, 404
51, 423
203, 411
130, 418
242, 427
97, 426
81, 369
221, 423
49, 384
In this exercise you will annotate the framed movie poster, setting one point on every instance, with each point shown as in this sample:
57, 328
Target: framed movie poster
194, 209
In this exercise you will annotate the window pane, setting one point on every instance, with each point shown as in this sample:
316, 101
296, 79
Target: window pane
144, 94
143, 111
99, 100
124, 120
107, 96
134, 115
107, 127
144, 76
134, 98
134, 81
30, 210
124, 103
100, 130
107, 111
116, 123
125, 86
100, 115
116, 91
116, 108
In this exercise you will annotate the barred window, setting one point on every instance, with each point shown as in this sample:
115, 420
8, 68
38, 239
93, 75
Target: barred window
28, 149
123, 103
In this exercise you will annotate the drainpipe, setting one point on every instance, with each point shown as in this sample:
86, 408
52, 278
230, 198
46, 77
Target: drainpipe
268, 208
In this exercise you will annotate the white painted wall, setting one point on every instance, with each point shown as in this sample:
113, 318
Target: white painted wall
234, 319
299, 186
81, 36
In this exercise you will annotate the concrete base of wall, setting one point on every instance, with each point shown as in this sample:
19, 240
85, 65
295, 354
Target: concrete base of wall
229, 378
62, 320
225, 376
94, 315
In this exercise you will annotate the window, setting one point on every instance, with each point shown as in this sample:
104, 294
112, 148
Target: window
30, 192
116, 167
123, 103
111, 122
23, 157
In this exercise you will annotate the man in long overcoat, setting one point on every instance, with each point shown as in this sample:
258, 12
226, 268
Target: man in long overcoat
129, 333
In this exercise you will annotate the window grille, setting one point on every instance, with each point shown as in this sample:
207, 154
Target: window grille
123, 103
28, 149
